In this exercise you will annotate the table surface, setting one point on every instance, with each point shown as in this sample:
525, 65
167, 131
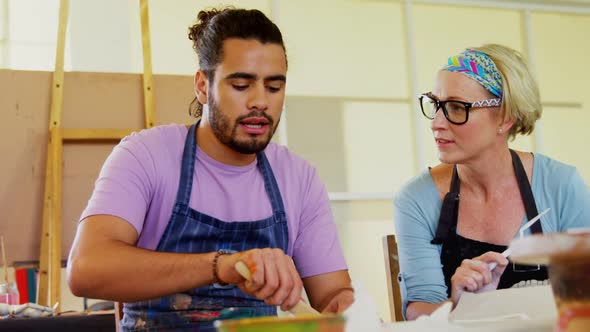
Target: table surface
106, 323
500, 326
90, 323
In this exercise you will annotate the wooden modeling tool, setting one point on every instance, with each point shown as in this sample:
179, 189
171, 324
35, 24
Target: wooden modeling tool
506, 253
524, 227
301, 308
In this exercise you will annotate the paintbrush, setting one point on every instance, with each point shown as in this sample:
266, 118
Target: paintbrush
524, 227
301, 308
5, 264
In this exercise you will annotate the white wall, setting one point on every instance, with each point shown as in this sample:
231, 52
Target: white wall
348, 62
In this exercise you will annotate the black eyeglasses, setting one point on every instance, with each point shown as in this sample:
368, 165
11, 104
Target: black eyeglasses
457, 112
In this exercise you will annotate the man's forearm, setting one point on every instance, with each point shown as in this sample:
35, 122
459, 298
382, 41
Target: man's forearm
120, 272
322, 289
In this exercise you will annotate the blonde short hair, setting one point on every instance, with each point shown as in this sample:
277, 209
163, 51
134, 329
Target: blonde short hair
521, 100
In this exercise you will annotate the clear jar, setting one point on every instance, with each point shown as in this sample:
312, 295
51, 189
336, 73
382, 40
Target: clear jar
571, 289
9, 293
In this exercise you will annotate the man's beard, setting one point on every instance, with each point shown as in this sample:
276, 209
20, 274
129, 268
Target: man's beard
220, 124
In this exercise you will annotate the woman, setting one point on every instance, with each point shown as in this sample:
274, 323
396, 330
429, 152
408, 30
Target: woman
455, 219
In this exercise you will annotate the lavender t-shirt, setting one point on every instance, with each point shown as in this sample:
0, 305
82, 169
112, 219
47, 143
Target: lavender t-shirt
139, 182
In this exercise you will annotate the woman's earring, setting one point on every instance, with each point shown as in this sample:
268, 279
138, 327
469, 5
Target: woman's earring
500, 130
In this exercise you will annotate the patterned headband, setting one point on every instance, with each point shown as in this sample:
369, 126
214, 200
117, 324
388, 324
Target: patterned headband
478, 66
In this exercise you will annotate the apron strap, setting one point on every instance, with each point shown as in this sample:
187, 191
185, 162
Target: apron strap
270, 184
447, 222
526, 192
187, 169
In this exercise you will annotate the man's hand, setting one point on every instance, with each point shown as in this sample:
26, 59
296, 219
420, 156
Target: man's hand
274, 277
340, 302
474, 275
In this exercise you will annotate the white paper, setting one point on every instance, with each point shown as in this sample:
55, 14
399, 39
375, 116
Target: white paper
362, 315
505, 310
437, 321
528, 303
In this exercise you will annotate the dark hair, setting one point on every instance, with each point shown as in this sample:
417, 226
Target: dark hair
214, 26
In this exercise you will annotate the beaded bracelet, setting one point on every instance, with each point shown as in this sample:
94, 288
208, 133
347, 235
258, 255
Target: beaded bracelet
216, 279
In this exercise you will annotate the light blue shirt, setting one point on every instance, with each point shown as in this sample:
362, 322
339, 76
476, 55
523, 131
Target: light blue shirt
417, 207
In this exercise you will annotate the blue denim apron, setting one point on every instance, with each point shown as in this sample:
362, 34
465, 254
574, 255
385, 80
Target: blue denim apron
190, 231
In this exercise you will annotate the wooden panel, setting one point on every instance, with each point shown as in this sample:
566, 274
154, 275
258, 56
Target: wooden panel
91, 100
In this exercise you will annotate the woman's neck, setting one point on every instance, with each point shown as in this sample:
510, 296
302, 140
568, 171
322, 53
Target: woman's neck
487, 174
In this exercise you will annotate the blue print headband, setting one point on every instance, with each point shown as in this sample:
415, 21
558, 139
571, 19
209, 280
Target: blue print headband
478, 66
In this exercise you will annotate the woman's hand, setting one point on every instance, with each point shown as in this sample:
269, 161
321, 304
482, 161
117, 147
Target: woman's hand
474, 275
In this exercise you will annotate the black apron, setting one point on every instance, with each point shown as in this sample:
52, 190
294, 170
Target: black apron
456, 248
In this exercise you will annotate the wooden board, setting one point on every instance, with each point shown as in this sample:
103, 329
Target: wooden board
91, 100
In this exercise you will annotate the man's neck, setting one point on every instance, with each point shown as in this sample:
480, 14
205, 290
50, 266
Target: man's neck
215, 149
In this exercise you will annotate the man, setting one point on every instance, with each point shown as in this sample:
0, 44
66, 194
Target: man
175, 208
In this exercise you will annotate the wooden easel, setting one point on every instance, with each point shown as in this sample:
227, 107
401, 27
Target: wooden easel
48, 292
